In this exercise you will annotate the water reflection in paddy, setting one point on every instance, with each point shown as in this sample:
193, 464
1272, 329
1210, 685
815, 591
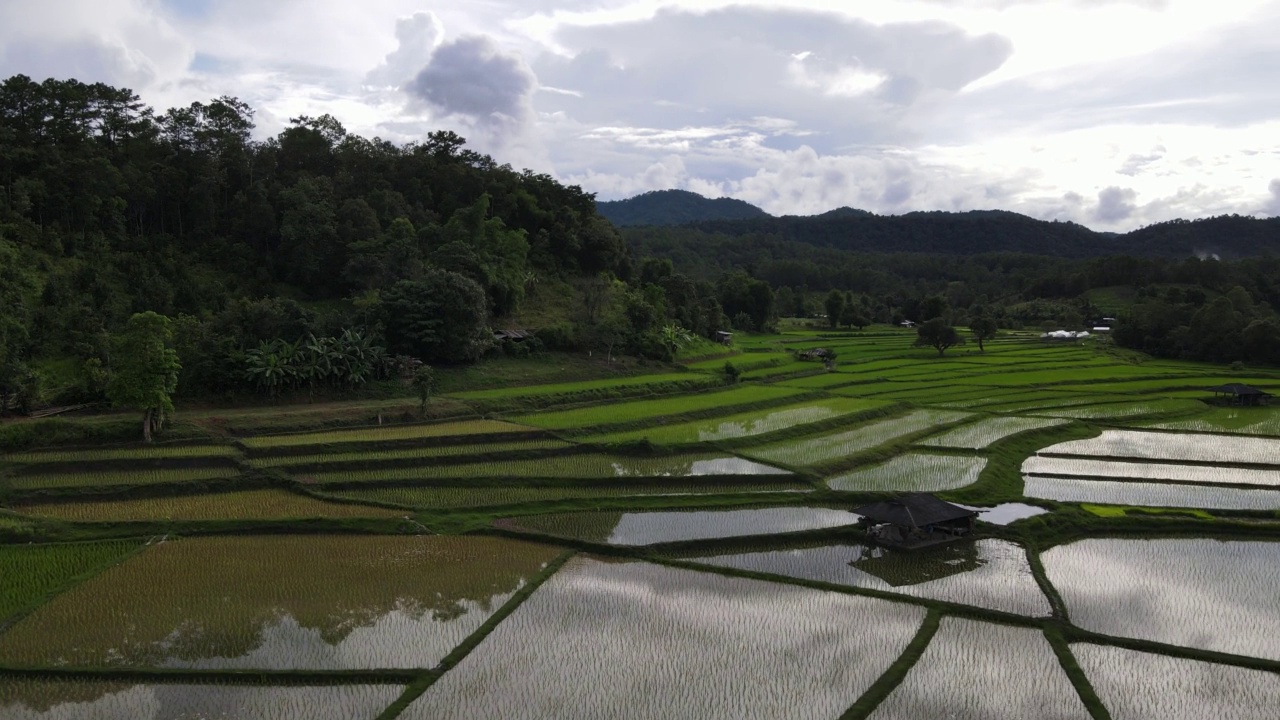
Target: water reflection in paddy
987, 573
608, 640
313, 602
981, 671
76, 700
1198, 593
1139, 686
646, 528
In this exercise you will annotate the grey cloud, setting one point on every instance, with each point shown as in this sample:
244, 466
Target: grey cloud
1115, 204
1135, 164
417, 37
1225, 79
681, 69
1273, 205
473, 78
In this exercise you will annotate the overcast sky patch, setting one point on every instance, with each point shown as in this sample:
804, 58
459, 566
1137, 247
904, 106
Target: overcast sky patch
1112, 113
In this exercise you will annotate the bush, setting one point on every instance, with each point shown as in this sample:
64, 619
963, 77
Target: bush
560, 336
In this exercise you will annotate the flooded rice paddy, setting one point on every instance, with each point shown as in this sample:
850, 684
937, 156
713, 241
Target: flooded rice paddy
992, 574
1197, 593
825, 448
612, 640
460, 497
987, 432
295, 602
1007, 513
913, 472
647, 528
981, 671
1140, 686
77, 700
1108, 492
1169, 472
1173, 446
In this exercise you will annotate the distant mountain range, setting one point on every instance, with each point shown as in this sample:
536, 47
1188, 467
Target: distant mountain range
964, 233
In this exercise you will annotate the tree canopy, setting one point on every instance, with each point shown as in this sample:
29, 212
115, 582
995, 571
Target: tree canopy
144, 369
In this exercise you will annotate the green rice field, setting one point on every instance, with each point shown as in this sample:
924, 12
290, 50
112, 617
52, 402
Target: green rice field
247, 505
669, 545
744, 425
383, 434
409, 454
156, 452
32, 571
649, 409
45, 480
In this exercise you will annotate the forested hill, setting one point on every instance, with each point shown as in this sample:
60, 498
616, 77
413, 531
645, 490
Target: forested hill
675, 207
109, 208
993, 231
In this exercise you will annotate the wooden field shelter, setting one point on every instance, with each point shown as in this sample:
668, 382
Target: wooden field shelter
916, 520
1238, 394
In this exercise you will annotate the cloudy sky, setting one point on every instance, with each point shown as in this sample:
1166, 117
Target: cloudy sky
1112, 113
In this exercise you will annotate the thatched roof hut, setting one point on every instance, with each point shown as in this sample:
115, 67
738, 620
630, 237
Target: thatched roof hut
916, 520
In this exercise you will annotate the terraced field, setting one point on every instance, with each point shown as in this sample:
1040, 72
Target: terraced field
668, 545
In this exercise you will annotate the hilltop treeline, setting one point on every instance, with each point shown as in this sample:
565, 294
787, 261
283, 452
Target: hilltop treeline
109, 208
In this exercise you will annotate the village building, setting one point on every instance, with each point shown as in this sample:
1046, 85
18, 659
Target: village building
916, 520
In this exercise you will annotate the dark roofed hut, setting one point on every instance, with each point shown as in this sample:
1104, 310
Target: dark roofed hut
916, 520
1238, 394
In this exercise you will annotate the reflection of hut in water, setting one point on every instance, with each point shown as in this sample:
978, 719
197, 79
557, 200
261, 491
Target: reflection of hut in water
899, 569
916, 520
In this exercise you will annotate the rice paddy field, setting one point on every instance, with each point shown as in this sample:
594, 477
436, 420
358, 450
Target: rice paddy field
836, 446
1226, 600
670, 545
617, 640
243, 505
743, 425
580, 466
1137, 686
913, 472
66, 699
991, 574
983, 433
465, 497
647, 528
983, 671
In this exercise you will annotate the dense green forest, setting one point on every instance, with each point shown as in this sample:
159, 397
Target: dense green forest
675, 207
318, 258
315, 255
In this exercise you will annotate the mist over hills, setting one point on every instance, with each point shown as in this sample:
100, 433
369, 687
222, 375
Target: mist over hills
954, 233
